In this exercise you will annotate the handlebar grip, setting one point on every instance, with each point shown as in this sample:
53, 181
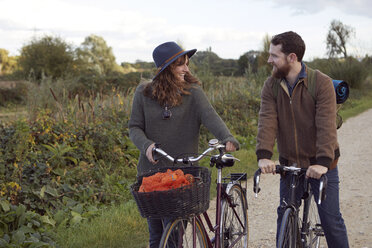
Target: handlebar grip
156, 156
278, 169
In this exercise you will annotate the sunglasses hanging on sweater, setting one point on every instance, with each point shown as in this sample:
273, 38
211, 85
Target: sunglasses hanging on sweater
166, 113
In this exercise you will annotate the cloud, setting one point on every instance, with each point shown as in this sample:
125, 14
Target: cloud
73, 21
354, 7
134, 28
132, 33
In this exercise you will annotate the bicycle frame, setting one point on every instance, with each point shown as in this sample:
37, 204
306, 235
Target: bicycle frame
306, 201
221, 194
220, 161
295, 174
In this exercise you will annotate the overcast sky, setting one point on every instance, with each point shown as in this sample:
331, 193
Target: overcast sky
230, 27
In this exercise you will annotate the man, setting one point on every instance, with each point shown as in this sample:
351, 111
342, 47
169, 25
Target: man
304, 127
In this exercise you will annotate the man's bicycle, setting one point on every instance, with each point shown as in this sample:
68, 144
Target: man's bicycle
294, 231
231, 226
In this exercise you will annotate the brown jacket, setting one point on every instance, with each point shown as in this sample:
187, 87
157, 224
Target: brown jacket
305, 129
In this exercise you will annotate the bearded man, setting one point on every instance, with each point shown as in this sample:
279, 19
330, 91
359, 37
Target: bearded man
304, 128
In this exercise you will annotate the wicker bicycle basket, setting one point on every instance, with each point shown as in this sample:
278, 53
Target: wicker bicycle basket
179, 202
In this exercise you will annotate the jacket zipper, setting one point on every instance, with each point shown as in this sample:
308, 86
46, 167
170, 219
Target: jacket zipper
294, 124
295, 131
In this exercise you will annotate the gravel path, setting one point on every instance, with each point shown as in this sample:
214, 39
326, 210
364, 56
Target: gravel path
355, 171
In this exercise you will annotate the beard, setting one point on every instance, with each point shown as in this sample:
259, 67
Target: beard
281, 72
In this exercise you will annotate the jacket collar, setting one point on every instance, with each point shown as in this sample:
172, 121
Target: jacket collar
304, 68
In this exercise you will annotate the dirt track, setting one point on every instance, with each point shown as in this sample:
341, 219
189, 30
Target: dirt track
355, 171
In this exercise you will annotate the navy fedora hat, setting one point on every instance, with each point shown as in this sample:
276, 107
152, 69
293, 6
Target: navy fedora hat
166, 53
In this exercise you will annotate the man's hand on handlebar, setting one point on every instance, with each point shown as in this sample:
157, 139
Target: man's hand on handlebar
230, 147
266, 166
316, 171
149, 153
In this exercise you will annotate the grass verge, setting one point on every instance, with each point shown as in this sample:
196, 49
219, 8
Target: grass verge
357, 106
118, 227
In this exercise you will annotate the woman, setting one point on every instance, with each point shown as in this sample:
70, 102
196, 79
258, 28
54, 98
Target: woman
169, 111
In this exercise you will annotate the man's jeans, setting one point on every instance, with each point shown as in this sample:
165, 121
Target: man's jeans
329, 211
156, 227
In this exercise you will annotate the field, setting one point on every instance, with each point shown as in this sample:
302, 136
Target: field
66, 162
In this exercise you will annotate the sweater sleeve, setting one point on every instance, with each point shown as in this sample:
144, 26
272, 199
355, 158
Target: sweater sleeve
211, 120
326, 135
267, 122
137, 122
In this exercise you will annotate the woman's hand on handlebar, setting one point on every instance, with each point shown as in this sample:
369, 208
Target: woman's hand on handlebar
230, 147
266, 166
316, 171
149, 153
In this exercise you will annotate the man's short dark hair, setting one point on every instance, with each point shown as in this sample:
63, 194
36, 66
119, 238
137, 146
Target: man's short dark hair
291, 43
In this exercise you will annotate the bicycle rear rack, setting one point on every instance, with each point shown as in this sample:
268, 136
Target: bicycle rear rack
236, 177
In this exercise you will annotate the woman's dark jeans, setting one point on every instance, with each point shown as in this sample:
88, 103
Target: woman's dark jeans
156, 227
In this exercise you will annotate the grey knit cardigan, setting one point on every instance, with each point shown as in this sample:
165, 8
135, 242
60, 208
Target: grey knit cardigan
177, 135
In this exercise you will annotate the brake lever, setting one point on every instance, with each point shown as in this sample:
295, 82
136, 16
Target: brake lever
322, 188
229, 156
256, 182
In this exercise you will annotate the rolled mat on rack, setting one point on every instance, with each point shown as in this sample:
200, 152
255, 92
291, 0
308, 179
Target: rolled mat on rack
342, 91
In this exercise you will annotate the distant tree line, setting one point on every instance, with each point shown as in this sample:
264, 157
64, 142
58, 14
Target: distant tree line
93, 67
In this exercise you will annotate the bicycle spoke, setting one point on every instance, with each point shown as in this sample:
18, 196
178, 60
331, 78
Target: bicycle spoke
234, 226
314, 230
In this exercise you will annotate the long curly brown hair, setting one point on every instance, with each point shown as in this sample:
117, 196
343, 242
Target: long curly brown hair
166, 89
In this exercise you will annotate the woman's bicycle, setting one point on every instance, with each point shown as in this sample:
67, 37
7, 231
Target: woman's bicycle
231, 228
294, 232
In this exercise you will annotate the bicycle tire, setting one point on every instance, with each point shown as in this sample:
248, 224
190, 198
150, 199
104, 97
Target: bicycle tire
179, 233
315, 229
286, 238
231, 228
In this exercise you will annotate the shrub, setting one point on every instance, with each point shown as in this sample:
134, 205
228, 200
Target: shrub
350, 70
64, 165
14, 92
237, 101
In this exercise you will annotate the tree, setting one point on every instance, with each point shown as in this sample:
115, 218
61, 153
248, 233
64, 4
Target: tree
8, 64
337, 37
95, 56
248, 61
3, 59
48, 56
264, 55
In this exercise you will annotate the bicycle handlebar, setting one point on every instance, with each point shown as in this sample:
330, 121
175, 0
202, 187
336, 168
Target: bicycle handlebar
214, 144
281, 168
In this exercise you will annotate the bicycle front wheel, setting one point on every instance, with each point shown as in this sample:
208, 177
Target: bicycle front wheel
288, 228
234, 224
180, 233
315, 228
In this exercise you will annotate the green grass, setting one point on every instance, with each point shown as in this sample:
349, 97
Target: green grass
12, 112
357, 106
117, 227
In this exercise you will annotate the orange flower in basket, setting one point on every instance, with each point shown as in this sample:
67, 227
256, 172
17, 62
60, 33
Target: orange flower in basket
165, 181
190, 178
